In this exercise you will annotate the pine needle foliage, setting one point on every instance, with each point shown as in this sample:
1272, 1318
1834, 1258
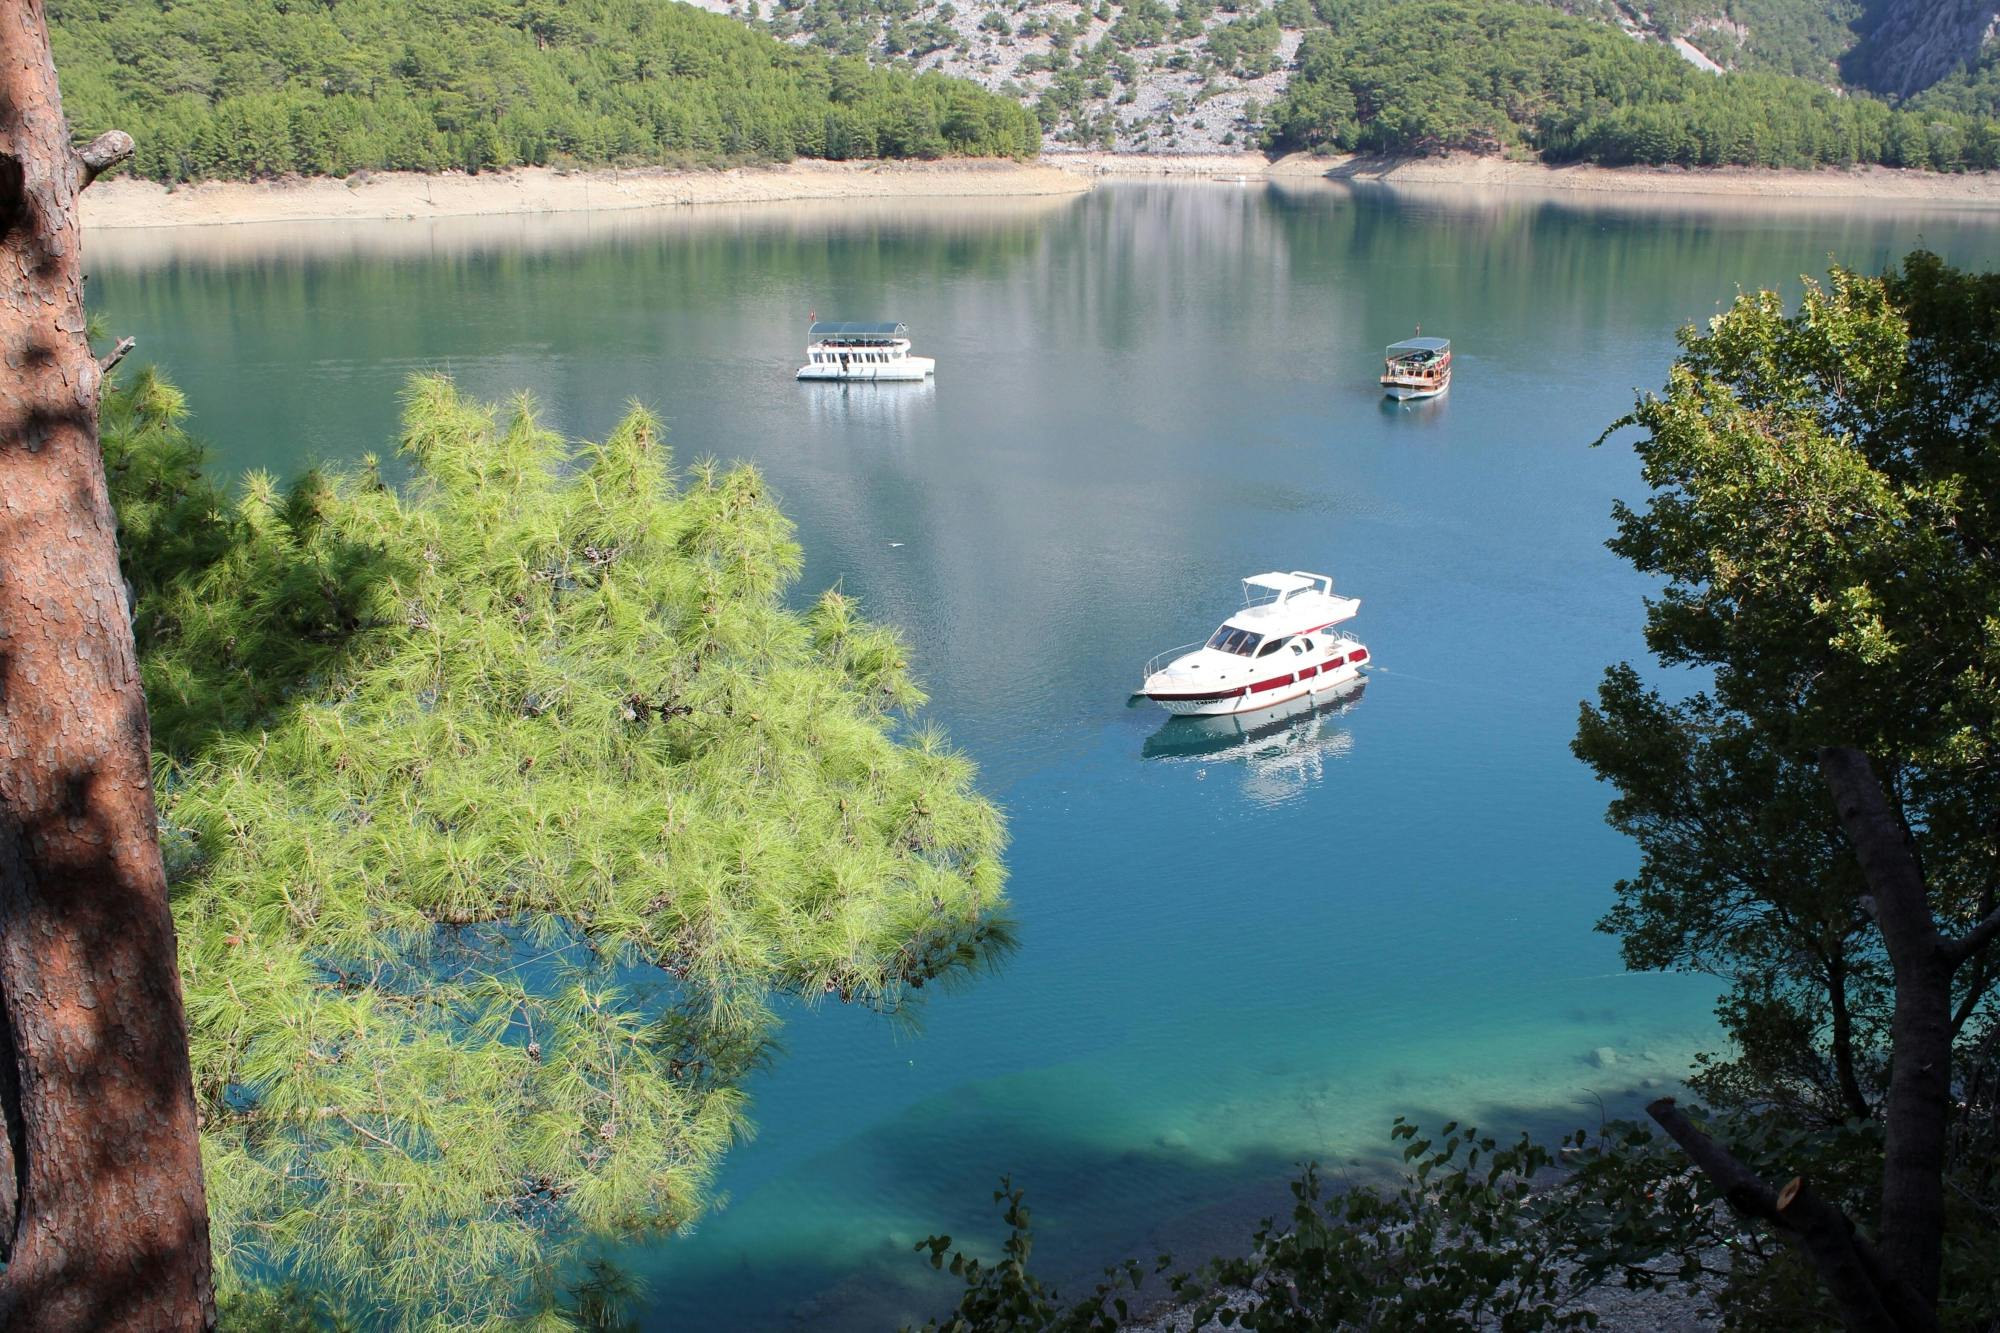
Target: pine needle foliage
500, 811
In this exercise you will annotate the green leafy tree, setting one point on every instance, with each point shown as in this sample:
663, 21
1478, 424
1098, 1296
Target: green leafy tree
1816, 826
499, 810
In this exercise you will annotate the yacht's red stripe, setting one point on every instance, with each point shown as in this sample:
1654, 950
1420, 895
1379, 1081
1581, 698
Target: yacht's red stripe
1271, 684
1308, 673
1358, 655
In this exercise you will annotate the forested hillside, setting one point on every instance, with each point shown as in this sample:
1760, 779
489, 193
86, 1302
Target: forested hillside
1487, 75
1600, 80
1807, 38
247, 88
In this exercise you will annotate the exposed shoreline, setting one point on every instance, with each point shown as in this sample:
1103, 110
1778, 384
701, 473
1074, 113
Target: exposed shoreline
413, 196
1980, 189
125, 203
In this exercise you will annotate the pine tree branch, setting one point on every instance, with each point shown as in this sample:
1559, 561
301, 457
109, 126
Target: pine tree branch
104, 152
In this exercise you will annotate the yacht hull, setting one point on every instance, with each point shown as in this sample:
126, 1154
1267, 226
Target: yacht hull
1268, 693
907, 370
1404, 393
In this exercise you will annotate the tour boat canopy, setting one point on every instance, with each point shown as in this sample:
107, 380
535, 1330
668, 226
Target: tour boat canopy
850, 330
1421, 345
1284, 584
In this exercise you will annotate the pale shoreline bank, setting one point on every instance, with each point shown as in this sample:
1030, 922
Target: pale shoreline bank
126, 203
413, 196
1875, 183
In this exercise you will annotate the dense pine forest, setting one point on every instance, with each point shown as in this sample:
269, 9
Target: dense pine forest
238, 89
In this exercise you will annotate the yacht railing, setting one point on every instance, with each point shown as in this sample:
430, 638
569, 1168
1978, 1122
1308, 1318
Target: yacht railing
1158, 660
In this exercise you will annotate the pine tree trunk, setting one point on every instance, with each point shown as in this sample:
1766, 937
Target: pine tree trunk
103, 1221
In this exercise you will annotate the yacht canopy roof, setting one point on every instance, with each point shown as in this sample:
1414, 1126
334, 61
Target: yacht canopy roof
1421, 345
1280, 583
847, 328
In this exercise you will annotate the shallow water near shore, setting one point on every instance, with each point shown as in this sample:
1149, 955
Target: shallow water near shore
1240, 947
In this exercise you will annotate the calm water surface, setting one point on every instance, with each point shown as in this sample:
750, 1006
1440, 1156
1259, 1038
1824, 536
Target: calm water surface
1238, 950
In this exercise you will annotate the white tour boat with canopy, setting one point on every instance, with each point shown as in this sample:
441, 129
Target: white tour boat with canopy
1282, 645
843, 350
1417, 368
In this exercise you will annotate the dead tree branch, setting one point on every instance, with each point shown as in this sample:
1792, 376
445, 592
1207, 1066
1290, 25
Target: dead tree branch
1844, 1259
116, 354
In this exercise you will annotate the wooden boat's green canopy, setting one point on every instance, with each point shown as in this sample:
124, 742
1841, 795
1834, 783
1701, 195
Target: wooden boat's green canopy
851, 331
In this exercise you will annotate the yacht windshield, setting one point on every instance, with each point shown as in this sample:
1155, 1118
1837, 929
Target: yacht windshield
1240, 641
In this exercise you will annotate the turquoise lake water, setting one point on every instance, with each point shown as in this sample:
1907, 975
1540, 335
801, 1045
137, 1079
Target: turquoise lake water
1239, 949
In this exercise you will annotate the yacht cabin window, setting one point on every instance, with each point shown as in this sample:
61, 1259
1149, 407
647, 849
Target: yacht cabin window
1272, 647
1242, 642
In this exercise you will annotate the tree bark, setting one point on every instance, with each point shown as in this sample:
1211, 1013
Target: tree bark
105, 1223
1851, 1096
1916, 1112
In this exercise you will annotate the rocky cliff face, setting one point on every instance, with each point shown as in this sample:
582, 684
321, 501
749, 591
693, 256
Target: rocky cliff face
1911, 44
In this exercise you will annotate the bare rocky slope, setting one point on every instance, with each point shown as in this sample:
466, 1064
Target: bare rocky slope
1915, 43
1173, 86
1175, 77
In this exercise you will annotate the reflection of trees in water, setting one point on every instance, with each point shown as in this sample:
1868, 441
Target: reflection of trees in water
780, 232
1525, 275
1282, 750
1196, 276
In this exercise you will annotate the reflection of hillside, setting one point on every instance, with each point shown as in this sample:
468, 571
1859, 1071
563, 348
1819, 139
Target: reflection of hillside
1281, 750
455, 238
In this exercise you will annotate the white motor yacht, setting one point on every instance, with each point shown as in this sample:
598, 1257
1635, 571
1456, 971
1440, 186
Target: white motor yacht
842, 350
1281, 645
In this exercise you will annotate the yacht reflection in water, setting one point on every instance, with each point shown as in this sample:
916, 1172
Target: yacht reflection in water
1282, 750
873, 406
